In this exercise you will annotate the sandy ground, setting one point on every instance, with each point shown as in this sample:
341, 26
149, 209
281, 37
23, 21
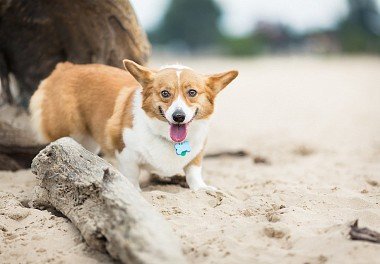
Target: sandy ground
314, 123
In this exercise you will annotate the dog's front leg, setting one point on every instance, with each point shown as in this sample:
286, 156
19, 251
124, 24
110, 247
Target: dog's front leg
129, 166
194, 177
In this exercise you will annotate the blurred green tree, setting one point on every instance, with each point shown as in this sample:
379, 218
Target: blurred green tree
192, 23
266, 38
360, 30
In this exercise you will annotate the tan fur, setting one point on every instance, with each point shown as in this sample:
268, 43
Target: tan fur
80, 100
197, 161
153, 82
96, 100
122, 117
167, 80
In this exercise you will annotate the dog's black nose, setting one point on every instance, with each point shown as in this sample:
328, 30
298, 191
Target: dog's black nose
178, 116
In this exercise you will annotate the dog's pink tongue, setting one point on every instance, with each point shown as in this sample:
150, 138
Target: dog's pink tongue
178, 133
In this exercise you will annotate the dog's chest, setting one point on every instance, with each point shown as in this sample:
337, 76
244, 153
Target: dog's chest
158, 155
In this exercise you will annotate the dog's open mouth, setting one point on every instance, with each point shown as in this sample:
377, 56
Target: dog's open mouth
178, 132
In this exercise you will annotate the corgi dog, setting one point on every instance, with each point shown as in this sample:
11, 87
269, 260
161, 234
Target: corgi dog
149, 119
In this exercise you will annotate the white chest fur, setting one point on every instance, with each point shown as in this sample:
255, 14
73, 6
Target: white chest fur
149, 145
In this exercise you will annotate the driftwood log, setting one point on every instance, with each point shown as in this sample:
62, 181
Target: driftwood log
109, 212
36, 35
17, 142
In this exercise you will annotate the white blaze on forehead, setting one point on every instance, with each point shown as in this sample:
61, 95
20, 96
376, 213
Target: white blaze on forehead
179, 103
178, 69
178, 72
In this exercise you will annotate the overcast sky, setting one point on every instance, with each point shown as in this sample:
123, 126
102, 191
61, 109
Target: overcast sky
240, 16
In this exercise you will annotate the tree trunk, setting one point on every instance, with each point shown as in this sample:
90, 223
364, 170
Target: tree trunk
109, 212
36, 35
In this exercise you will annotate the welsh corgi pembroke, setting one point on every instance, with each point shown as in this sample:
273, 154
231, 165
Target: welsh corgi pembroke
149, 119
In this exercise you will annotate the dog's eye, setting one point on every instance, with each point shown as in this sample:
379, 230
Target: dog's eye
165, 94
192, 93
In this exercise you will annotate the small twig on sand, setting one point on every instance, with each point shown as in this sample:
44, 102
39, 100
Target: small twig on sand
261, 160
364, 233
239, 153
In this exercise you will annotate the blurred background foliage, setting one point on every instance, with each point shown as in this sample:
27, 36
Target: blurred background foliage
192, 26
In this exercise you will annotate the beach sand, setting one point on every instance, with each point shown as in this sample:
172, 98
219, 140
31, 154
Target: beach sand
311, 128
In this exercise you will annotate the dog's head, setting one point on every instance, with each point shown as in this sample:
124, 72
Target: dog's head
178, 95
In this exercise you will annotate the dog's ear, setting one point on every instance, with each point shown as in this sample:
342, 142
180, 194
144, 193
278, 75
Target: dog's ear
219, 81
142, 74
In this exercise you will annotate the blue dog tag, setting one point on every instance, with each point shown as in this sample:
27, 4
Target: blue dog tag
182, 148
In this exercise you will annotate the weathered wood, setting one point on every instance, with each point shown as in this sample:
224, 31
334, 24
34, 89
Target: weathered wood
363, 233
36, 35
17, 142
109, 212
8, 163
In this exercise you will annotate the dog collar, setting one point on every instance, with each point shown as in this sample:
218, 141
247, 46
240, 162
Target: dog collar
182, 148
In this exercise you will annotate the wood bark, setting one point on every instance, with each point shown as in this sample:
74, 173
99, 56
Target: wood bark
109, 212
17, 142
36, 35
363, 233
